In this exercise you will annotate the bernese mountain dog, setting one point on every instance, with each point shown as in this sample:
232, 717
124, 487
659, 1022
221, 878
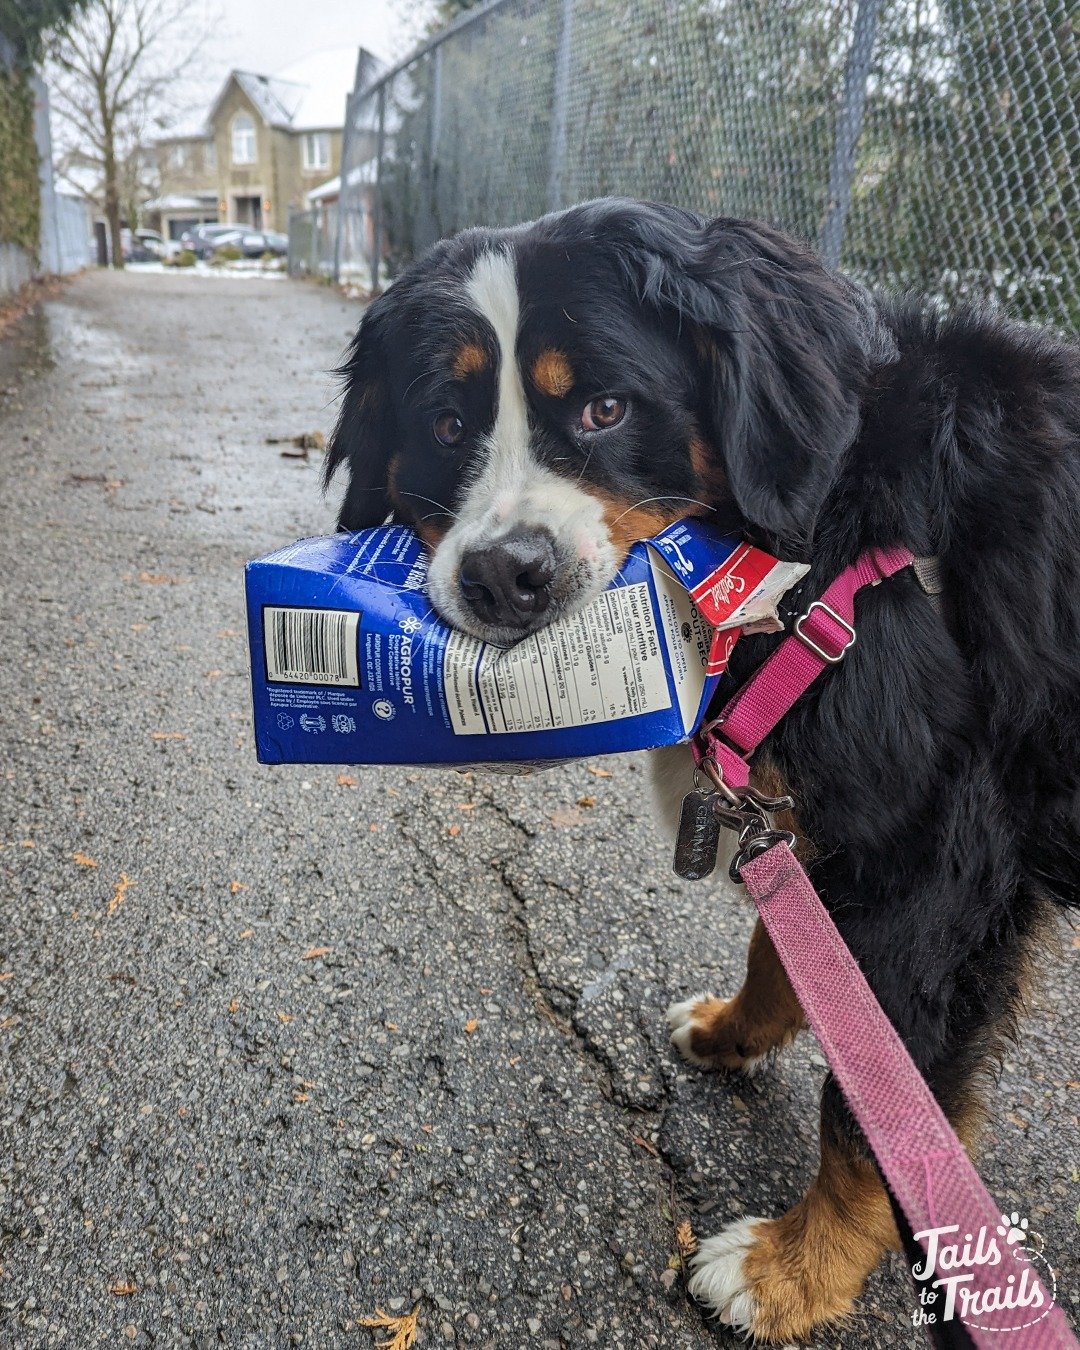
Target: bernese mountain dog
533, 400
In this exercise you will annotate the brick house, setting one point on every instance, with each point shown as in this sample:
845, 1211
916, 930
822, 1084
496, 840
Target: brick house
267, 141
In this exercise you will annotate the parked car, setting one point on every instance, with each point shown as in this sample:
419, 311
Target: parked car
161, 248
276, 242
254, 243
134, 249
202, 239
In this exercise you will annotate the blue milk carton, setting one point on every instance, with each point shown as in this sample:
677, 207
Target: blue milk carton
351, 665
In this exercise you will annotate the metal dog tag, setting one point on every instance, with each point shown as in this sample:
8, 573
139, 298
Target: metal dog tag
698, 840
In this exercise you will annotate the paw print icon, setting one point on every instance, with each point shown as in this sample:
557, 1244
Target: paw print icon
1013, 1228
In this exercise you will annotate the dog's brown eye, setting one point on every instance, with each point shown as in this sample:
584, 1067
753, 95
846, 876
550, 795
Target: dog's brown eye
603, 413
448, 429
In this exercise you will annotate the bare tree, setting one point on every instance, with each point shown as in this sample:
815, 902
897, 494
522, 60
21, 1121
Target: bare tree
113, 66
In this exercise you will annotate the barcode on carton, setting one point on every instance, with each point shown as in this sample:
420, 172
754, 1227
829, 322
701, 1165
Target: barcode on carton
311, 646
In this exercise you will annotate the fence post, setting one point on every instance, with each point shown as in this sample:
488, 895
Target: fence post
848, 129
346, 147
377, 221
559, 94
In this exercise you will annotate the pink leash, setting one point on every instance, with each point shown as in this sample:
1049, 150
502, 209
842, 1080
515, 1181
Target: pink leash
926, 1167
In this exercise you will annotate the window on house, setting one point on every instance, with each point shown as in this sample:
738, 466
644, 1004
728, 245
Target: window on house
243, 139
209, 155
178, 158
317, 150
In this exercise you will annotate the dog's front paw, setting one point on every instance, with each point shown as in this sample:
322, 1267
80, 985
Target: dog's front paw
706, 1032
719, 1281
750, 1276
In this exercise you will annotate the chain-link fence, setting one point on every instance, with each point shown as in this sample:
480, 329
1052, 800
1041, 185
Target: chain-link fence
931, 144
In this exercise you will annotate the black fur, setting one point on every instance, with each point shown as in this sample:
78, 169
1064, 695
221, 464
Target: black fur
937, 769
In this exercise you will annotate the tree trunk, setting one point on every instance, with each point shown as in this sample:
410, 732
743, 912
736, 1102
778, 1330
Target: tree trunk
112, 211
112, 191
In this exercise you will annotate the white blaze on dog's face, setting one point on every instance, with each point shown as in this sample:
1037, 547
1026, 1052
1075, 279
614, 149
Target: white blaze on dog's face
534, 400
535, 540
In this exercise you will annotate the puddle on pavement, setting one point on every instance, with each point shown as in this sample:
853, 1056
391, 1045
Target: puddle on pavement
26, 351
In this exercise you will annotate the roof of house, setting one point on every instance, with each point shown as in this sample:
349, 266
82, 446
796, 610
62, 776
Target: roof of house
308, 95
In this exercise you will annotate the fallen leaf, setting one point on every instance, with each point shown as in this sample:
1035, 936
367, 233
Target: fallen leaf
373, 829
1018, 1121
236, 887
248, 932
161, 579
10, 975
586, 801
301, 1096
123, 1288
1076, 940
313, 953
84, 860
391, 1026
167, 736
466, 806
646, 1144
346, 780
27, 843
119, 893
228, 632
454, 831
515, 1061
566, 815
234, 1005
139, 627
471, 1025
428, 1129
597, 772
684, 1237
213, 674
285, 1017
402, 1329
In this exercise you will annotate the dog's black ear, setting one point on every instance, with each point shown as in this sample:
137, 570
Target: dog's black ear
784, 357
365, 434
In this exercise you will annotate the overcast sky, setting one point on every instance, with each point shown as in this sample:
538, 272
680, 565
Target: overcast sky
264, 35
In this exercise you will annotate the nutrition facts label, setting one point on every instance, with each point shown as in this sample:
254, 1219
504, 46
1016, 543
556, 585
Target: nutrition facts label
603, 664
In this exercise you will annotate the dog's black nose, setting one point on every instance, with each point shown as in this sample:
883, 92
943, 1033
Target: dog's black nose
508, 584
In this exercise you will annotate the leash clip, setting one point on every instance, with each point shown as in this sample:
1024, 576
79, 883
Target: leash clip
752, 818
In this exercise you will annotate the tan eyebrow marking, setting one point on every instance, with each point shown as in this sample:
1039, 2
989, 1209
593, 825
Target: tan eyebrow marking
552, 373
469, 360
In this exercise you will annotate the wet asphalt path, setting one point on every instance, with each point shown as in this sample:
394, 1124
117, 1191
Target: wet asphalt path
276, 1046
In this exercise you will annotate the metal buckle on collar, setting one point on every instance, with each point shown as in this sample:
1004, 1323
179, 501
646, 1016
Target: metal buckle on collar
829, 658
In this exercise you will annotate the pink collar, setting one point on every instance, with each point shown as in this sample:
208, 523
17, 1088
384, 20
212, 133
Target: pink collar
821, 637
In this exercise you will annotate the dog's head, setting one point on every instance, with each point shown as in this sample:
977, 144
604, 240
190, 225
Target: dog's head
534, 400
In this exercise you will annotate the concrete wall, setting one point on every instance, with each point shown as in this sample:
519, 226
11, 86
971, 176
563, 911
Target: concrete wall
16, 269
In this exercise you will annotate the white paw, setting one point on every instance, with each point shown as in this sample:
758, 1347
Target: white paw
718, 1280
680, 1020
